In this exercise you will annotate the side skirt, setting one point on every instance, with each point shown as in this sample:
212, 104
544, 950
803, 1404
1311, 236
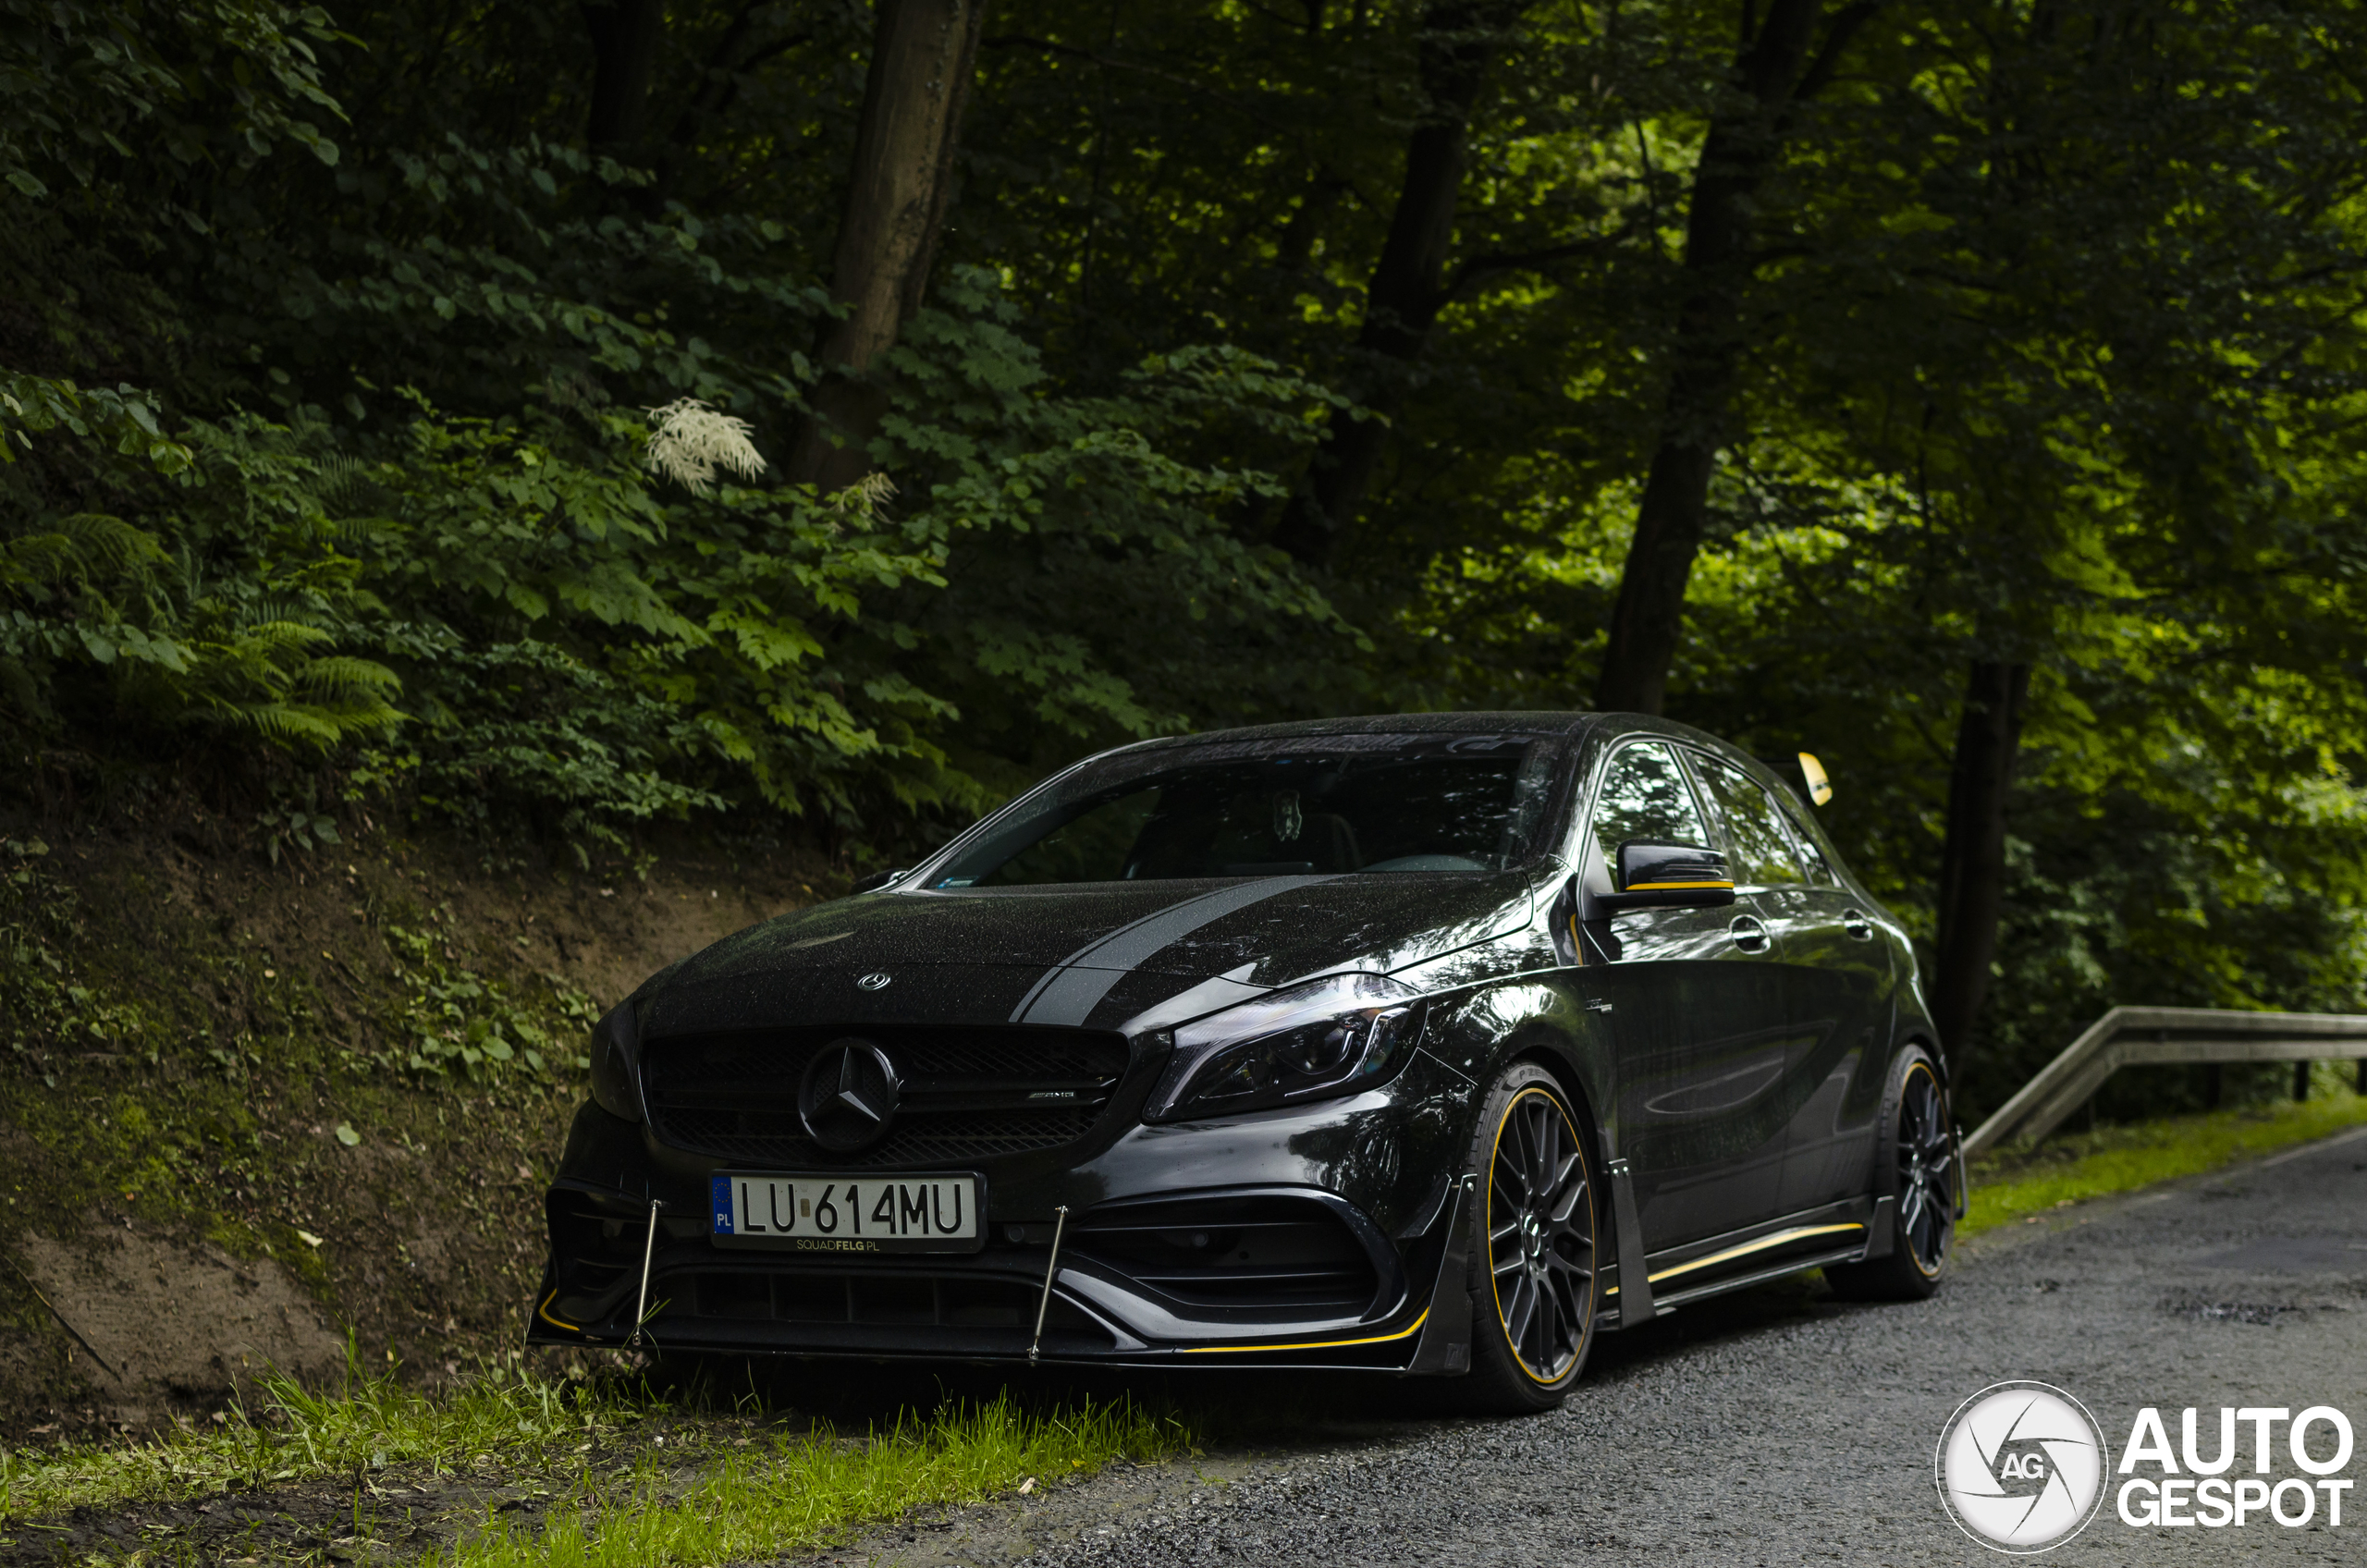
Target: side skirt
1842, 1232
1672, 1299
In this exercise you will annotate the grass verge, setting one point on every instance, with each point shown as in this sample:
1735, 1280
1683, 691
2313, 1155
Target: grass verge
811, 1491
619, 1472
292, 1434
2019, 1184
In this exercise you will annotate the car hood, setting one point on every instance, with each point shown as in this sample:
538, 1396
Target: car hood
1129, 954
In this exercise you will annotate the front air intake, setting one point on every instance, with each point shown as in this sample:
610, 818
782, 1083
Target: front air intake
1274, 1252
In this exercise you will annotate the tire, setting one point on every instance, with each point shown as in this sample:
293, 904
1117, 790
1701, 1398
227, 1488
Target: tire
1532, 1240
1921, 1171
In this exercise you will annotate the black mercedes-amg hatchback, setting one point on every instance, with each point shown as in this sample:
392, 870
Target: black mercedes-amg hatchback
1428, 1044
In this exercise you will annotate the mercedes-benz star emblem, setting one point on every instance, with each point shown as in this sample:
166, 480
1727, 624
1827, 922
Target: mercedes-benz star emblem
849, 1096
874, 981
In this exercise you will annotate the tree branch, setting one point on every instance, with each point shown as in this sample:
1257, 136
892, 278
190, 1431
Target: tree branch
1095, 56
1495, 264
1819, 75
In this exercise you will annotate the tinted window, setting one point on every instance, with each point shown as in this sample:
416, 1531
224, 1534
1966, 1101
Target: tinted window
1336, 805
1644, 798
1758, 847
1808, 840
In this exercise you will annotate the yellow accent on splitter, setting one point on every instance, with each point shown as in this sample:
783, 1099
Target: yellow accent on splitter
1311, 1345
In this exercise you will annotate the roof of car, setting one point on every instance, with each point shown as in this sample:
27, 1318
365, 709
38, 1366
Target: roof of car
1516, 723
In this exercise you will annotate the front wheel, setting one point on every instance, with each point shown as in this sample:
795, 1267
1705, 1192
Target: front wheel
1532, 1315
1926, 1179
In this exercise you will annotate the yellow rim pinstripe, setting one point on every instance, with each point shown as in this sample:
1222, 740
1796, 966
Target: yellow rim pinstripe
1925, 1068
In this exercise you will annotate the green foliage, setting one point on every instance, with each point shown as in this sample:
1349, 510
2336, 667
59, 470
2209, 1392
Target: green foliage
403, 524
780, 1491
458, 1023
41, 997
571, 641
298, 830
284, 1431
34, 924
2050, 356
221, 77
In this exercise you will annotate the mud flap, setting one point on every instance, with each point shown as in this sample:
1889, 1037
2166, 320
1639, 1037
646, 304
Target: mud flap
1635, 1273
1444, 1350
1881, 1231
1964, 1177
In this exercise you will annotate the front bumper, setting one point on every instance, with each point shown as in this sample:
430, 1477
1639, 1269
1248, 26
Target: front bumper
1323, 1235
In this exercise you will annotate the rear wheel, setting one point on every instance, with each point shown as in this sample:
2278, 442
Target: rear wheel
1532, 1313
1926, 1180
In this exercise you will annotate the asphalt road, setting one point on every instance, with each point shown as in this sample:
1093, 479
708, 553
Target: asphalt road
1782, 1427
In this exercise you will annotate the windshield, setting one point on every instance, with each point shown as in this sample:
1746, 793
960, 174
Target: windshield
1321, 804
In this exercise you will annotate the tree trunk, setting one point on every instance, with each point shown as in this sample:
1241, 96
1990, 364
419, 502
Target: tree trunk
626, 35
922, 57
1458, 41
1972, 862
1773, 72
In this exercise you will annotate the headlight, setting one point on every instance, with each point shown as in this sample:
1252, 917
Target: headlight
1329, 1036
616, 1063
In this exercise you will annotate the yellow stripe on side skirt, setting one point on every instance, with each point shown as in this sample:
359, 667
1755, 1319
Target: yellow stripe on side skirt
1761, 1244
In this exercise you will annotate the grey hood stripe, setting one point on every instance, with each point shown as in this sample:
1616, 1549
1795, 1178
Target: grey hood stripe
1071, 988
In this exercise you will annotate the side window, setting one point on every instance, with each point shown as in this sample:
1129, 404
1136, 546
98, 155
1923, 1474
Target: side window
1804, 834
1644, 796
1757, 845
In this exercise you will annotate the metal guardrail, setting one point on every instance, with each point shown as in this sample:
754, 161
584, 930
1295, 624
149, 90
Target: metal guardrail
2129, 1036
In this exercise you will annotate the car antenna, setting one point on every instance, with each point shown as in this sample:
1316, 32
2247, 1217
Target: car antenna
1060, 1223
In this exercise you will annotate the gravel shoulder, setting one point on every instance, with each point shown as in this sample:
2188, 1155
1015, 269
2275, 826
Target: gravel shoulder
1780, 1425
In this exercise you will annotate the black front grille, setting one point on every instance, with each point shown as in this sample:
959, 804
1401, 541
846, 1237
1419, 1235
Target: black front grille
1272, 1250
966, 1095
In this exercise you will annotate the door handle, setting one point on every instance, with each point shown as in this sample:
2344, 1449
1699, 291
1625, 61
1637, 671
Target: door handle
1749, 932
1858, 925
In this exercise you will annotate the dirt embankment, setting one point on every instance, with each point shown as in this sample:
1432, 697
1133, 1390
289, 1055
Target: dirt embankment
248, 1109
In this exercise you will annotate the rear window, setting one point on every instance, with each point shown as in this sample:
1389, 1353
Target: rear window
1332, 804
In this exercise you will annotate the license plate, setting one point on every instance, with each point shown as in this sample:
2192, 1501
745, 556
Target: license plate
841, 1213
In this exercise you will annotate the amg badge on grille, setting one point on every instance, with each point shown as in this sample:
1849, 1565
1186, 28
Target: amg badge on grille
849, 1096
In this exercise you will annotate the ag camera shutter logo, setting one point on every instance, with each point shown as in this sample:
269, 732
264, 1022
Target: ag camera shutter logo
2020, 1467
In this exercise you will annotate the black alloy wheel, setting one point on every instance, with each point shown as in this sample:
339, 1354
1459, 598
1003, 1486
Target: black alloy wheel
1927, 1173
1533, 1316
1926, 1180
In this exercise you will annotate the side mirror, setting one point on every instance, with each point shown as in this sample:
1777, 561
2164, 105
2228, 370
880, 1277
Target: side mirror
1669, 877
